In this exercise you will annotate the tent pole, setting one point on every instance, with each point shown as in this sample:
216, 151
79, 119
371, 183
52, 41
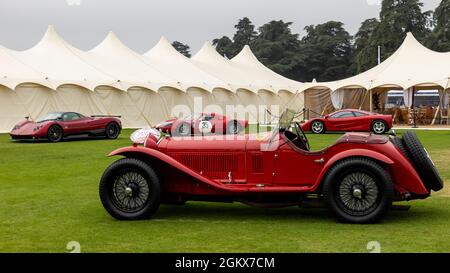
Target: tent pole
412, 107
370, 100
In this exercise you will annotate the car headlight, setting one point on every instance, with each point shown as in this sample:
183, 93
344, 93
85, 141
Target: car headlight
16, 127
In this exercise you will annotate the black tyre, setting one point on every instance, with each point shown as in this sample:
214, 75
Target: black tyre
130, 190
379, 127
422, 161
183, 129
55, 133
112, 130
358, 190
398, 142
234, 127
318, 127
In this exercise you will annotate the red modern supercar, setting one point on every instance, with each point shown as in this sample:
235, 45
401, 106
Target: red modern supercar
358, 177
202, 123
57, 125
349, 120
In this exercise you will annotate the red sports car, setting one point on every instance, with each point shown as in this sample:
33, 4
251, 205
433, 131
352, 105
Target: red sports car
55, 126
358, 177
202, 123
350, 120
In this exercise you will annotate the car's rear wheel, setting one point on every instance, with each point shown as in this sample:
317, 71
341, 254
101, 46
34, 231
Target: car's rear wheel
112, 130
379, 127
358, 190
317, 127
55, 133
234, 127
422, 161
130, 190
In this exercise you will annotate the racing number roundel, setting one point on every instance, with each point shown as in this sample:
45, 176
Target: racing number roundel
205, 126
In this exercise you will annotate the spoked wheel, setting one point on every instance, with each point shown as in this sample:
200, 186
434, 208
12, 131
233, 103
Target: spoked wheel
130, 190
358, 191
317, 127
184, 129
55, 133
112, 130
379, 127
234, 128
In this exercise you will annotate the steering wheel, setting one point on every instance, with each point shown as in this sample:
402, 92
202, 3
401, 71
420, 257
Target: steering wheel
301, 134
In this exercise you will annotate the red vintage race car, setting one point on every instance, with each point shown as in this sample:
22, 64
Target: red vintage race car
57, 125
202, 123
350, 120
358, 178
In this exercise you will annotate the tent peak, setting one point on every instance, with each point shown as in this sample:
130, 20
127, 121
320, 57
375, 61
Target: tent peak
246, 56
207, 51
163, 48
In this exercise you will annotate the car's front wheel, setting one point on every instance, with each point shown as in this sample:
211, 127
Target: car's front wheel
358, 190
130, 190
55, 133
317, 127
183, 129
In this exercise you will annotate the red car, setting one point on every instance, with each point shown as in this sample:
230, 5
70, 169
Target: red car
358, 177
55, 126
350, 120
202, 123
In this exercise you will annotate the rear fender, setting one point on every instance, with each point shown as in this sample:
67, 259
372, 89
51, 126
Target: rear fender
348, 154
157, 155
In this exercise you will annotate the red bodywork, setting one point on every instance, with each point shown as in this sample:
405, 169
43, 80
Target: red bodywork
233, 167
218, 122
28, 129
358, 121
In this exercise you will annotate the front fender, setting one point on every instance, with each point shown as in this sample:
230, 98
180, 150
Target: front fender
347, 154
134, 151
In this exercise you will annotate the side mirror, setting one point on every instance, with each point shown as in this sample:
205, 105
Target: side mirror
213, 114
59, 118
327, 116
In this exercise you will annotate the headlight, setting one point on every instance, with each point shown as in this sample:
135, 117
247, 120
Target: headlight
16, 127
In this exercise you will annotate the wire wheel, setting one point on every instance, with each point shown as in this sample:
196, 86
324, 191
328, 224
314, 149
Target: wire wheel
184, 129
234, 128
379, 127
54, 133
358, 194
130, 191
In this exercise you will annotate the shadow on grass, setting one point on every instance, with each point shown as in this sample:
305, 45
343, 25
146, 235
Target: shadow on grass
241, 213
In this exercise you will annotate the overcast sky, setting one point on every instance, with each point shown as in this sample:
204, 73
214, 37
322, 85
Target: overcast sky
140, 23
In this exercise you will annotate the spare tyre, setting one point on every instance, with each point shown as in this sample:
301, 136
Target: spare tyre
422, 161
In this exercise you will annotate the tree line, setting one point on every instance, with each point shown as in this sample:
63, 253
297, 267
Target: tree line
328, 52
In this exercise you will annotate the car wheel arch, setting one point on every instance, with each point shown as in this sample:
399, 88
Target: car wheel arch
156, 157
376, 157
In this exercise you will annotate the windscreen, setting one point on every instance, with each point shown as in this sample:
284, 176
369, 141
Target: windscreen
286, 118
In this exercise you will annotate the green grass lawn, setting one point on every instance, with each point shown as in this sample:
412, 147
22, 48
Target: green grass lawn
49, 196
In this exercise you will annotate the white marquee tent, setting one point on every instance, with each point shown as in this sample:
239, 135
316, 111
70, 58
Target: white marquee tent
411, 67
113, 79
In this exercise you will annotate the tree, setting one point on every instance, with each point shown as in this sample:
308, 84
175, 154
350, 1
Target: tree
327, 51
224, 46
182, 48
439, 39
365, 52
278, 48
245, 33
397, 18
